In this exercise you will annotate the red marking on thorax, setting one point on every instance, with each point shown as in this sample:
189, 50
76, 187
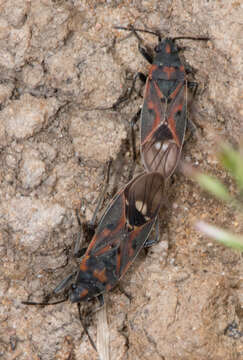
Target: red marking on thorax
167, 49
83, 293
169, 70
100, 275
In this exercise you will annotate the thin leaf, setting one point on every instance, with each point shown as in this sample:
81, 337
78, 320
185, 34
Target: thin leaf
224, 237
232, 161
214, 186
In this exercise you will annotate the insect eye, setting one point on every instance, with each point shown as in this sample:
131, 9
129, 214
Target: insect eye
156, 49
73, 286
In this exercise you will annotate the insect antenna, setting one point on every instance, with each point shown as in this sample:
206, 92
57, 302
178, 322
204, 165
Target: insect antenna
85, 328
191, 38
134, 30
44, 303
59, 302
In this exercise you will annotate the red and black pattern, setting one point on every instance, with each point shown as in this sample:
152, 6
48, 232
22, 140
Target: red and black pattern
120, 235
164, 112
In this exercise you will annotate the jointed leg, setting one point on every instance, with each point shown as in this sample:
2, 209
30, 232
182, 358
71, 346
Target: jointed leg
101, 198
85, 328
151, 241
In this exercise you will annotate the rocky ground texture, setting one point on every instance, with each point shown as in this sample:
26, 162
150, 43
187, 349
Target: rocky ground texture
58, 60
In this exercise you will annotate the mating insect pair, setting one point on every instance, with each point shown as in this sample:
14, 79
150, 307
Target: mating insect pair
125, 227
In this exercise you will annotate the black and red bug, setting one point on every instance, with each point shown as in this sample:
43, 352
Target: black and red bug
164, 110
122, 232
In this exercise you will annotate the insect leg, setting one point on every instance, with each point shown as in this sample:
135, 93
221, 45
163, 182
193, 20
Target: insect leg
190, 124
142, 77
101, 198
78, 251
128, 93
189, 69
122, 290
142, 50
135, 118
132, 133
101, 300
193, 85
151, 241
145, 54
64, 283
122, 98
182, 48
125, 96
85, 328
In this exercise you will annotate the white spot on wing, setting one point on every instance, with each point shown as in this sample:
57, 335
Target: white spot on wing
158, 145
141, 207
165, 146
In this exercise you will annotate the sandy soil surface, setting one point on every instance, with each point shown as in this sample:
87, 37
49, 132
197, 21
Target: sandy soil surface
57, 59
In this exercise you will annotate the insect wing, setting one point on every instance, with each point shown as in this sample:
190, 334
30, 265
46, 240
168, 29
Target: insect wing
162, 147
111, 223
98, 268
143, 200
125, 226
163, 117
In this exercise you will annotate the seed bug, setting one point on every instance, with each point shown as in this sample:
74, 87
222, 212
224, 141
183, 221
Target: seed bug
122, 232
164, 110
